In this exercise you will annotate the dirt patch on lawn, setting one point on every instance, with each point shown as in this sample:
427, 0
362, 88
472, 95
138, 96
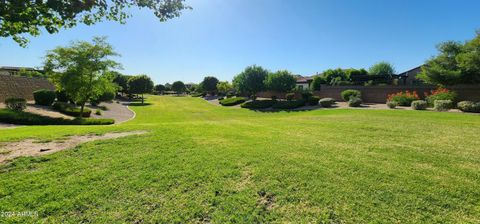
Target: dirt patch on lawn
32, 147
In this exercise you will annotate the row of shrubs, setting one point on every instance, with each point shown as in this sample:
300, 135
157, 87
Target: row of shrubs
25, 118
71, 109
290, 103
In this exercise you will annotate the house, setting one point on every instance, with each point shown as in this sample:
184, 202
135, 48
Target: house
303, 82
409, 77
10, 70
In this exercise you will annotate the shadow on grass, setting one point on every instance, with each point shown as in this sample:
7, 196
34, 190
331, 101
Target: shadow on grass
138, 104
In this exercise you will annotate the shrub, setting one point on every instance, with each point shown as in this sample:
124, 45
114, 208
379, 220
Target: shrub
16, 104
349, 93
306, 95
230, 95
392, 104
440, 94
98, 112
354, 102
419, 105
44, 97
221, 98
442, 105
327, 102
61, 96
258, 104
469, 106
290, 104
403, 98
70, 109
290, 96
232, 101
198, 94
25, 118
313, 100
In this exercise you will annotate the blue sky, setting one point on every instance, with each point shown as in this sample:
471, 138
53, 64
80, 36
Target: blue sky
222, 37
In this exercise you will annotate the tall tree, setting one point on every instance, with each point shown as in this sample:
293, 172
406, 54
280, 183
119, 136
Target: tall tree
19, 17
224, 87
281, 81
209, 84
122, 81
251, 80
81, 70
383, 69
178, 87
140, 84
159, 88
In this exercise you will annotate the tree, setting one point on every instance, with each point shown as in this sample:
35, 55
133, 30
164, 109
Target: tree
224, 87
251, 80
168, 87
178, 87
31, 73
121, 81
81, 70
20, 17
159, 88
281, 81
317, 82
140, 84
382, 69
333, 76
209, 84
457, 63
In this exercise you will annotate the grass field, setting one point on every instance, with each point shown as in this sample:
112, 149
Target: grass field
204, 163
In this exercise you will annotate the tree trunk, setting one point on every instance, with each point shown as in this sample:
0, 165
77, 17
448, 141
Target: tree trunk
81, 110
142, 98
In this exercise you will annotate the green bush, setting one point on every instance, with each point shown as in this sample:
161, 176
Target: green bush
306, 95
232, 101
354, 102
442, 105
258, 104
289, 104
25, 118
469, 106
44, 97
419, 105
290, 96
392, 104
198, 94
98, 112
326, 102
16, 104
349, 93
313, 100
70, 109
61, 96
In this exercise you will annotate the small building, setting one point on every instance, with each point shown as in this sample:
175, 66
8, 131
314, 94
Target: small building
409, 77
303, 82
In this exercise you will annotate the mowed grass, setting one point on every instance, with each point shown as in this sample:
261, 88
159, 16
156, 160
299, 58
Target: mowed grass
204, 163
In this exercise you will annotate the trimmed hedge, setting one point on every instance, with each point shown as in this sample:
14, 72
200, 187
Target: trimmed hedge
349, 93
25, 118
392, 104
326, 102
44, 97
198, 94
354, 102
442, 105
289, 104
469, 106
61, 96
258, 104
232, 101
70, 109
419, 105
313, 100
16, 104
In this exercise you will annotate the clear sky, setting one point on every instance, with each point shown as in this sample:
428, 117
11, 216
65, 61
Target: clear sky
222, 37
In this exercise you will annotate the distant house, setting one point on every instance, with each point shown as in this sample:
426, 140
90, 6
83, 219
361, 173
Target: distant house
13, 71
409, 77
303, 82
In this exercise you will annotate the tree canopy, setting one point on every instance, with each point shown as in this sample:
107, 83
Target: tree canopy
20, 17
140, 84
456, 63
81, 70
251, 80
159, 88
382, 69
282, 81
178, 87
209, 84
224, 87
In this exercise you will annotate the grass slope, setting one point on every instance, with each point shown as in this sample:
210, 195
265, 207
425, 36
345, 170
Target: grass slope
204, 163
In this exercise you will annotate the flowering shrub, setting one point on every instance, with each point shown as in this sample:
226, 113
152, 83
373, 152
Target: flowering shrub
403, 98
440, 94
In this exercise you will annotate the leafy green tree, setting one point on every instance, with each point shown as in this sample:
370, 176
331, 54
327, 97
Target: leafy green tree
81, 70
332, 76
168, 87
140, 84
159, 88
383, 69
251, 80
456, 63
281, 81
31, 73
178, 87
224, 87
20, 17
317, 82
121, 81
209, 84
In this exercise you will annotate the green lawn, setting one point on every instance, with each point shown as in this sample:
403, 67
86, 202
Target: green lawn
204, 163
